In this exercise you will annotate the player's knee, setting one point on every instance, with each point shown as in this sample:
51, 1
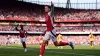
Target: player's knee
43, 43
56, 44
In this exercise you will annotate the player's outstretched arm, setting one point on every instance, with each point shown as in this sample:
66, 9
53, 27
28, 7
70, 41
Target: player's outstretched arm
52, 9
26, 34
16, 28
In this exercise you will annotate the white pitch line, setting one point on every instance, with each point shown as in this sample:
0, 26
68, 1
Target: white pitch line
67, 53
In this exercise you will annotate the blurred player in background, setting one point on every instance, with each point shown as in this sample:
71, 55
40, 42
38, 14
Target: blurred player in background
23, 36
50, 33
41, 41
59, 38
8, 41
91, 36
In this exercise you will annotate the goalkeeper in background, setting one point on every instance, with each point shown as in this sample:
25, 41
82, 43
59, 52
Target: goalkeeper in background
91, 36
59, 39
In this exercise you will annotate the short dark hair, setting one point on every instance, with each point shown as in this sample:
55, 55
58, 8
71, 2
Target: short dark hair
48, 7
21, 26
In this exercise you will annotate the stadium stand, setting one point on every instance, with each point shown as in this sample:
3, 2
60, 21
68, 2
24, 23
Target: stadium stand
58, 29
82, 40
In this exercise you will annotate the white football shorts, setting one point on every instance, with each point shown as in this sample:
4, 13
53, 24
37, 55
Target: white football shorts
50, 35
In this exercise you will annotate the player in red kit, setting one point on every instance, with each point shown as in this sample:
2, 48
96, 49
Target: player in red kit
23, 35
51, 31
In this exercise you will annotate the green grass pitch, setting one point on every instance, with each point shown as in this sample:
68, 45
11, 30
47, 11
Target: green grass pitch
33, 50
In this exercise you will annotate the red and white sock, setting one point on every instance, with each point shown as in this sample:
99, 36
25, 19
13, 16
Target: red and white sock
42, 50
63, 43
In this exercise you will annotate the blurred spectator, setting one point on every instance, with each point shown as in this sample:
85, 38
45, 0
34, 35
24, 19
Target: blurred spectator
24, 13
58, 29
81, 40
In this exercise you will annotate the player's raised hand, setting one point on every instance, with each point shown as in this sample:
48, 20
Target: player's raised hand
51, 3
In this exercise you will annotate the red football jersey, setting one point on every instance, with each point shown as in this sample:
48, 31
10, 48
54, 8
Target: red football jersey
22, 33
49, 22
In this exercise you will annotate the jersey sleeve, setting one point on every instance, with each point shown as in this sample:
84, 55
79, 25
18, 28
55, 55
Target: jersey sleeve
16, 28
